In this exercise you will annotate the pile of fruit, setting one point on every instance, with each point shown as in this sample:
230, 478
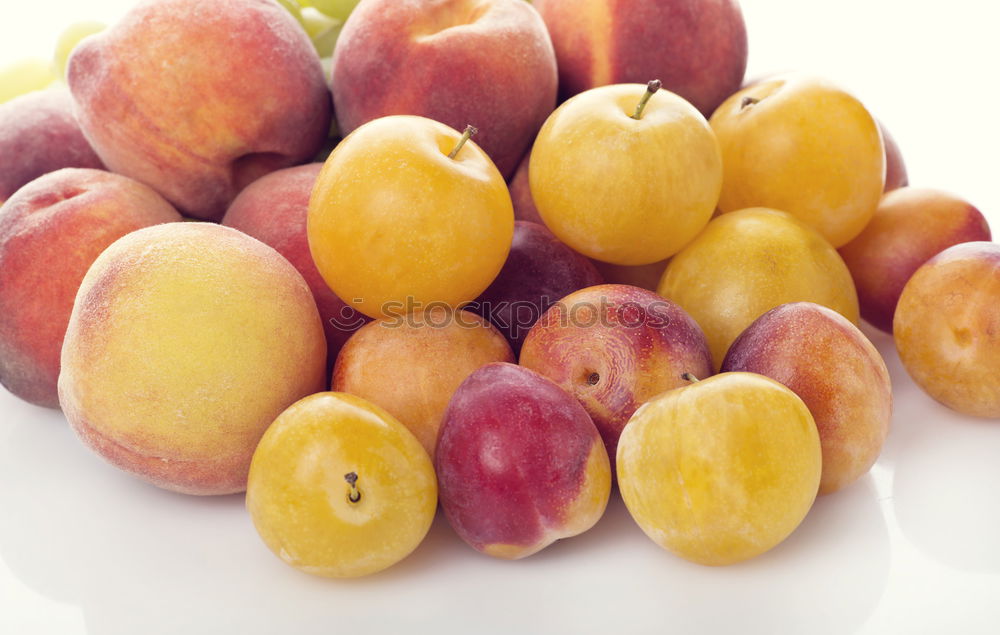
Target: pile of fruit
531, 269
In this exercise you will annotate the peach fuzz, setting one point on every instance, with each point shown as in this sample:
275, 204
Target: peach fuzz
697, 48
488, 63
39, 134
520, 465
198, 100
185, 342
946, 332
910, 226
410, 365
274, 209
51, 230
835, 370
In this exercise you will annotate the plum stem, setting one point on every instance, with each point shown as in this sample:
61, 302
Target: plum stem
466, 135
748, 101
354, 495
651, 88
689, 377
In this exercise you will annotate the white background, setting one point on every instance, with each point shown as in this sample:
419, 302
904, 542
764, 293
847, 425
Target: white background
914, 547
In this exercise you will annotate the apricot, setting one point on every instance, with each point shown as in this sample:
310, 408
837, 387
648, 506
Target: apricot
835, 370
910, 226
947, 328
411, 365
185, 342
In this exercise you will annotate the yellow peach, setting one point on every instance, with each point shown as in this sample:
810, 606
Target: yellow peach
186, 340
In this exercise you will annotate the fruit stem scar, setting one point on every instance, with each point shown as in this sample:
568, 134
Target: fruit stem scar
593, 378
466, 135
689, 377
354, 495
748, 101
651, 88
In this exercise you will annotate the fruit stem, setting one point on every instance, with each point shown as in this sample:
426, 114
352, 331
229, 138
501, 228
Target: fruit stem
469, 131
651, 88
689, 377
748, 101
354, 495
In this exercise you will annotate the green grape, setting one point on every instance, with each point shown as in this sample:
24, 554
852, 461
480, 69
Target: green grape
23, 77
68, 40
322, 29
293, 7
337, 9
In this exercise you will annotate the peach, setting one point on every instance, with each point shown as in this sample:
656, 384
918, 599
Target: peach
51, 231
614, 347
698, 48
273, 209
488, 63
835, 370
411, 364
539, 271
38, 135
185, 342
947, 328
895, 166
909, 227
520, 465
746, 263
198, 100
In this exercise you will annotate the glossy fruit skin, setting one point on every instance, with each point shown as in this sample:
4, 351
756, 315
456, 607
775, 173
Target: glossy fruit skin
748, 262
614, 347
539, 272
895, 166
395, 224
721, 470
622, 190
805, 147
910, 226
520, 463
835, 370
298, 497
947, 328
412, 366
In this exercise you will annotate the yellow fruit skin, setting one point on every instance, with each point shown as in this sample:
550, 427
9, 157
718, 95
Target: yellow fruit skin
722, 470
806, 147
186, 340
621, 190
393, 220
947, 328
746, 263
298, 497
